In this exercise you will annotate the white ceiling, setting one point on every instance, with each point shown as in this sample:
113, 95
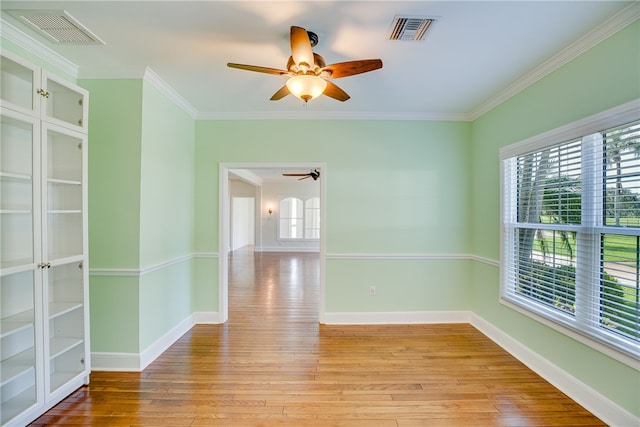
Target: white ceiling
477, 51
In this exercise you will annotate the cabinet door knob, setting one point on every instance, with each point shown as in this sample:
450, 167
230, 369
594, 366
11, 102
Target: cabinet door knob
43, 93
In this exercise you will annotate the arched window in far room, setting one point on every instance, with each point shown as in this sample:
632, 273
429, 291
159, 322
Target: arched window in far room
299, 220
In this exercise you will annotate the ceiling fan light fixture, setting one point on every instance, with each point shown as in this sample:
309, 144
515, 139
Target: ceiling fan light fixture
306, 86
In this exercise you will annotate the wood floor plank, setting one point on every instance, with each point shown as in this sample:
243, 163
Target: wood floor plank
273, 364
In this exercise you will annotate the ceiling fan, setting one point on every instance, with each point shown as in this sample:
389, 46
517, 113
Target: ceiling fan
315, 174
307, 72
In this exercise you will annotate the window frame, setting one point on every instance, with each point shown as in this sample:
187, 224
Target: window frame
303, 218
608, 343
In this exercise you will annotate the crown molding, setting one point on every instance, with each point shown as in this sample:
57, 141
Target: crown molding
163, 87
34, 47
616, 23
335, 115
608, 28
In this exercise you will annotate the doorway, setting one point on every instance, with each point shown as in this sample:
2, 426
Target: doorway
225, 223
242, 223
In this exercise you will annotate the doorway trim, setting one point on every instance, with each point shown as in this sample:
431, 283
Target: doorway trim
224, 225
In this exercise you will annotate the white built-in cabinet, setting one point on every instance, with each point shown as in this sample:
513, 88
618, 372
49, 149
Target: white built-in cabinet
44, 310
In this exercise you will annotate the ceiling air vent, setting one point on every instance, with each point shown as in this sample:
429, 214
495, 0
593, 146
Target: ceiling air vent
57, 25
410, 27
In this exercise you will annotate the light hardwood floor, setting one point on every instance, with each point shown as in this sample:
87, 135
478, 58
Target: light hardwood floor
272, 364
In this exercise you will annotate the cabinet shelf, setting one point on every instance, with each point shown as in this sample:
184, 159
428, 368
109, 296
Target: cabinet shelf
60, 345
16, 323
63, 181
43, 227
16, 266
17, 366
15, 211
7, 176
62, 377
57, 309
65, 211
18, 404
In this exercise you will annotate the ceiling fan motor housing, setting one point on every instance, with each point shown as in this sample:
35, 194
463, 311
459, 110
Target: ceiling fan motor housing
313, 38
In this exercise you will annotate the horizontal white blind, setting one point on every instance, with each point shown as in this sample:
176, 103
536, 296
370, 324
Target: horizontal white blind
571, 244
620, 238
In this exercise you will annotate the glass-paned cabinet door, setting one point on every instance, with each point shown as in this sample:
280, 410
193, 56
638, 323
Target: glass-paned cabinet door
18, 343
18, 176
63, 193
18, 85
65, 296
65, 104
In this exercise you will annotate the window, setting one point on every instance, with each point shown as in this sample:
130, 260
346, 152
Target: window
571, 224
312, 218
298, 219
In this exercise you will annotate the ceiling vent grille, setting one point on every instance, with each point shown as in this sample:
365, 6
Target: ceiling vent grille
410, 27
58, 26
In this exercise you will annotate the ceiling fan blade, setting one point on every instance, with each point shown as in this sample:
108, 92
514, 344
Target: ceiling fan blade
301, 46
333, 91
284, 91
350, 68
258, 69
295, 174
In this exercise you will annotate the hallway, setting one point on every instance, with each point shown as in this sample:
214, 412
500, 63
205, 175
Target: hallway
272, 364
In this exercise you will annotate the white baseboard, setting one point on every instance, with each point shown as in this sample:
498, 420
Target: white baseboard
591, 399
136, 362
286, 249
206, 318
120, 362
152, 352
400, 317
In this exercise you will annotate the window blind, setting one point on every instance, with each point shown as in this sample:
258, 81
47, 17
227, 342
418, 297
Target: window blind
571, 244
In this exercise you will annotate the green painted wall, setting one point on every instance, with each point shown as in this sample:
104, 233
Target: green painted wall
166, 220
606, 76
115, 314
205, 284
114, 212
392, 187
166, 182
141, 161
401, 285
115, 154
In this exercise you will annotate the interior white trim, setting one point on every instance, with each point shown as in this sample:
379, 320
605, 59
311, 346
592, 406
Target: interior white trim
599, 405
137, 362
137, 272
285, 249
206, 318
469, 257
591, 399
609, 27
390, 256
615, 116
224, 225
396, 318
488, 261
14, 35
333, 115
163, 87
597, 35
115, 361
158, 347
